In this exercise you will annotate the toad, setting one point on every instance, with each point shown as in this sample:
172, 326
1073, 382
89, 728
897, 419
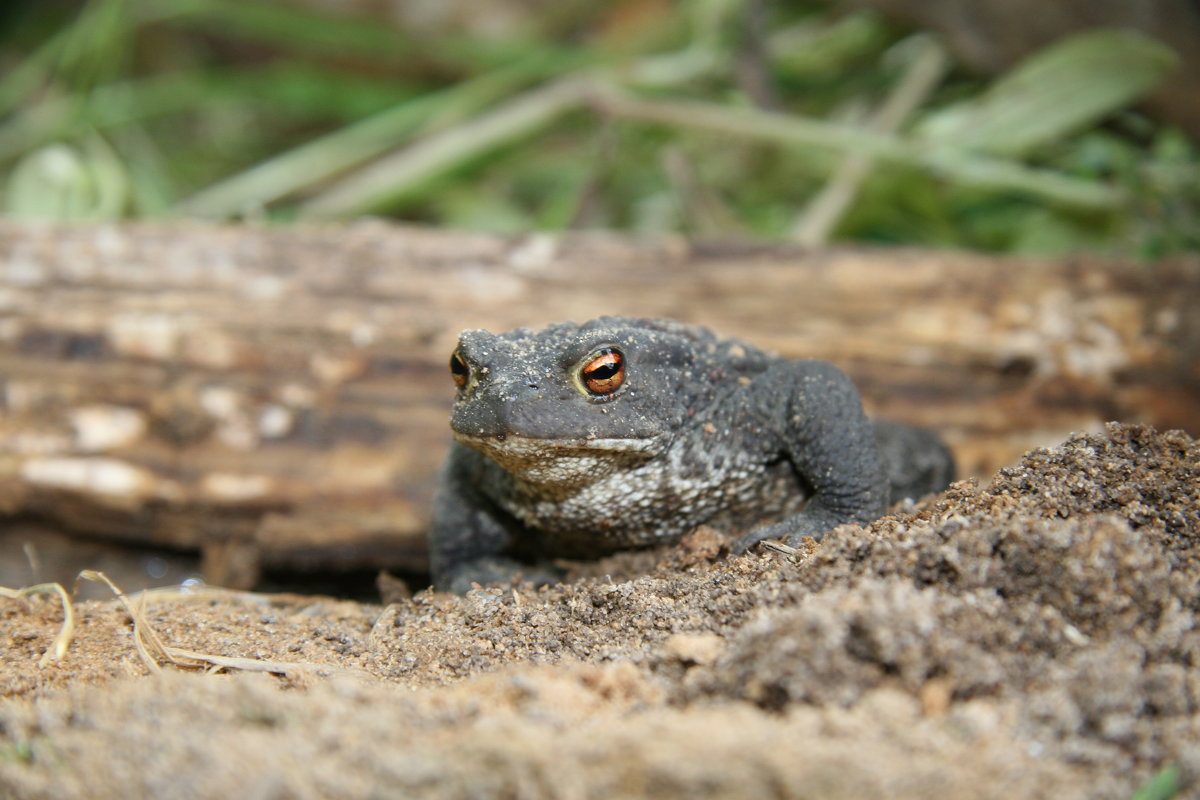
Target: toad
578, 440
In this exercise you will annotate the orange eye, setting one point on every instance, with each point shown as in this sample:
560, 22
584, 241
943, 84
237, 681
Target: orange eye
605, 372
459, 369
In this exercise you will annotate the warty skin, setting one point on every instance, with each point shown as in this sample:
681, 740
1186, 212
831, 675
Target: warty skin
578, 440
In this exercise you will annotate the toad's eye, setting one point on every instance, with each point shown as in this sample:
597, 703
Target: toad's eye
459, 369
604, 372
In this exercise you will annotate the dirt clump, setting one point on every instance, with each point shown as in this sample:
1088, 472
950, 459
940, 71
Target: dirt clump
1034, 638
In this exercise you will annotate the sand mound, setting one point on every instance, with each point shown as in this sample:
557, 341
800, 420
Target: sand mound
1036, 638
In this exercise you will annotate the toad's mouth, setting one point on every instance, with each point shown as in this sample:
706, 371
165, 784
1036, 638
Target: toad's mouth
516, 443
565, 463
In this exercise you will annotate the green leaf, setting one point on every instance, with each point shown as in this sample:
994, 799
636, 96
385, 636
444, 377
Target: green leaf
1052, 94
60, 182
1163, 785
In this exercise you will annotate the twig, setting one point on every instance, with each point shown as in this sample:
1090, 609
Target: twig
805, 132
817, 222
780, 547
750, 62
704, 212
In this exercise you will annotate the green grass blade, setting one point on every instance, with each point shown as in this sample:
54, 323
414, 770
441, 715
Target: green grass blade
400, 173
31, 72
105, 107
67, 184
951, 164
317, 161
1163, 785
1054, 93
295, 29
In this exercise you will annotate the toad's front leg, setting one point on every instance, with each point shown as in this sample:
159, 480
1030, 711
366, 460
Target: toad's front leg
815, 418
470, 537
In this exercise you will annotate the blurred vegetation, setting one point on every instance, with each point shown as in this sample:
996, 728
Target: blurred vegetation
709, 117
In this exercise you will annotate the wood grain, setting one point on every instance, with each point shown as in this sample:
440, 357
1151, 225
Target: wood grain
278, 396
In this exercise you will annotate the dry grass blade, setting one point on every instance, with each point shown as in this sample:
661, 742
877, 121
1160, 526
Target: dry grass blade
154, 651
65, 632
150, 646
151, 652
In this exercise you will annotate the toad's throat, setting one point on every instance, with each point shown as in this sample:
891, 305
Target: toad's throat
562, 463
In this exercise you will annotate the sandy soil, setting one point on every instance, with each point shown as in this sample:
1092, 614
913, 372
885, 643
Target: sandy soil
1036, 638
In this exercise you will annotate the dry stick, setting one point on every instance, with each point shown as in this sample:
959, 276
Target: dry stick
750, 62
817, 222
802, 132
779, 547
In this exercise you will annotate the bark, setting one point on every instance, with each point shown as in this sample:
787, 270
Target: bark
278, 396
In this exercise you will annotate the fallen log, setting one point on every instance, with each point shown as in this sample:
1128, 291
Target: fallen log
278, 396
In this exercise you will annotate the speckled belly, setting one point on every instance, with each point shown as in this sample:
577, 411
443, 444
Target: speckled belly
655, 503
